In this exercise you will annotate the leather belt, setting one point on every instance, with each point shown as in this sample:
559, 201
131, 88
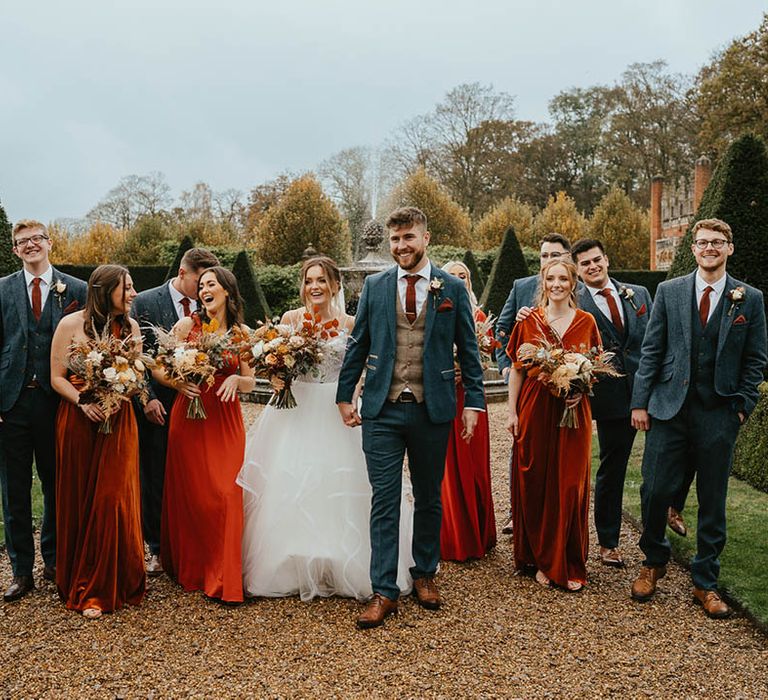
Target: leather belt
34, 384
405, 397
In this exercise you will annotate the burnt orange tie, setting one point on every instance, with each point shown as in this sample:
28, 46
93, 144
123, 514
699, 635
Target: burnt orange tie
410, 297
37, 299
185, 305
614, 309
704, 306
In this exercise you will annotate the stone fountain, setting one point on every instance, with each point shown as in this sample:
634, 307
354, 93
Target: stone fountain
372, 261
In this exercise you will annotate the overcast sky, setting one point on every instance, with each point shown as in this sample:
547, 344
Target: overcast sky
235, 92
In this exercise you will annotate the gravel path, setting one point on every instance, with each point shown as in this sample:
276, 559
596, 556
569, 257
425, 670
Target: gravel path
497, 635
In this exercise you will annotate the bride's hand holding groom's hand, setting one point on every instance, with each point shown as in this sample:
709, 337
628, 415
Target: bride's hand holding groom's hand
349, 414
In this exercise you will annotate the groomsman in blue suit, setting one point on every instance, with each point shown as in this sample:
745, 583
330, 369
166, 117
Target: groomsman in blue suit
408, 321
702, 361
621, 312
162, 306
523, 296
32, 302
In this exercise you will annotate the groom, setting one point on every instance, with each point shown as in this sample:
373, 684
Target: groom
408, 320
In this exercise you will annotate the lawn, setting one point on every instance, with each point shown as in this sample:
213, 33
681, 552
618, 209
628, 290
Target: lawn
745, 558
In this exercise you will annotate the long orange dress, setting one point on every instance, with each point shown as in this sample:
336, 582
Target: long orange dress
468, 527
99, 544
550, 465
202, 518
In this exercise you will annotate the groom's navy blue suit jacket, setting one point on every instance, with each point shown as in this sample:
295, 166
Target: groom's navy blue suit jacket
449, 322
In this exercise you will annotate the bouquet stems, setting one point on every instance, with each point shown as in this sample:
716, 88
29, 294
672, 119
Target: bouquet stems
105, 427
283, 398
196, 410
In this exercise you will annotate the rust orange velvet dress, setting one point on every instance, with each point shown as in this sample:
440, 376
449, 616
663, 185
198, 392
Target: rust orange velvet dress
468, 528
99, 545
550, 465
202, 518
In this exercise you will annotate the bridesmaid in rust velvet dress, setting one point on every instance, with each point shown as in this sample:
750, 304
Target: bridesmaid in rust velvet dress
99, 545
202, 519
468, 528
550, 465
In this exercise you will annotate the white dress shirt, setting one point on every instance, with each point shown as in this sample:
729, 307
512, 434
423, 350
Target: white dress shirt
422, 285
602, 303
176, 297
714, 296
46, 279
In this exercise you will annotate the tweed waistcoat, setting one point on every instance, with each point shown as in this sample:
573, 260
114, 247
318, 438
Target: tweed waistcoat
703, 355
39, 335
409, 353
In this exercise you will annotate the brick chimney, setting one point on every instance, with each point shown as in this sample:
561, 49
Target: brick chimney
657, 187
701, 177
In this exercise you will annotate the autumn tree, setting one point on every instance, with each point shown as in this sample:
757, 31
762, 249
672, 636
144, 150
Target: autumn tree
509, 212
560, 216
732, 92
8, 260
145, 242
60, 237
448, 223
133, 197
623, 229
304, 215
260, 200
97, 245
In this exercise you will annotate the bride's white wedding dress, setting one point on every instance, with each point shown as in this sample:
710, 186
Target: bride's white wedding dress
307, 498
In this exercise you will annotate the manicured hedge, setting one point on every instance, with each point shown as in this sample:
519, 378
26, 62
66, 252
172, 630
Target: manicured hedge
186, 244
750, 461
509, 266
478, 279
650, 279
8, 261
144, 276
256, 306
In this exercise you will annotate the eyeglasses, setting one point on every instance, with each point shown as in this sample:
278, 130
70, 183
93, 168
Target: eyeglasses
717, 243
546, 256
24, 242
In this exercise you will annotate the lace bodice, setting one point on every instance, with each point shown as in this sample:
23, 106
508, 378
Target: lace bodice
330, 366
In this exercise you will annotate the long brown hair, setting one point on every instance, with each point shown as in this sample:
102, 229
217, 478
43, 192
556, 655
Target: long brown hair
98, 312
235, 303
570, 268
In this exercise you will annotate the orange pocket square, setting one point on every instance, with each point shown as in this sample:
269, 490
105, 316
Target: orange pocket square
447, 305
741, 319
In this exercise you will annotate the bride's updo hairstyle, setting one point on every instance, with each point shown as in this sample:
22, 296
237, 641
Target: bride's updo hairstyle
330, 271
570, 268
98, 302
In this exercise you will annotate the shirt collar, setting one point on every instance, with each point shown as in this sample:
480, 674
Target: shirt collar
609, 285
46, 277
176, 295
717, 287
424, 272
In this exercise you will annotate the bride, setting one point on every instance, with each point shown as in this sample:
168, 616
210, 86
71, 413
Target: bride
307, 498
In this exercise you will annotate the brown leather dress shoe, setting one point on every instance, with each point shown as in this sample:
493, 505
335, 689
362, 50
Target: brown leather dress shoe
49, 573
644, 586
676, 522
507, 529
712, 603
611, 556
378, 608
425, 590
154, 567
20, 586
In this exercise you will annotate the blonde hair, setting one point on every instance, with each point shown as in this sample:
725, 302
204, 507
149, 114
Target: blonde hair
458, 263
24, 224
570, 268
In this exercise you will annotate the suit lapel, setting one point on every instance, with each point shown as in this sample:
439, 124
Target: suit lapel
604, 324
390, 300
53, 299
684, 305
630, 314
166, 307
431, 301
725, 321
20, 298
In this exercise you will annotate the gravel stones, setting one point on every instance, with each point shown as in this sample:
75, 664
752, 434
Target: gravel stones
498, 634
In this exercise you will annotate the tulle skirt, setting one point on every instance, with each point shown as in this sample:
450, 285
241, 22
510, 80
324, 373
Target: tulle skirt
308, 503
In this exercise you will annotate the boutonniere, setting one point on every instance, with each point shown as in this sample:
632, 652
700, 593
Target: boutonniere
435, 287
628, 294
60, 289
735, 296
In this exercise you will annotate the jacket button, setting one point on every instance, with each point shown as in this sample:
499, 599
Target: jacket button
685, 382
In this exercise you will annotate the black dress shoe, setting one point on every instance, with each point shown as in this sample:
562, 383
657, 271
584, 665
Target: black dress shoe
20, 586
49, 573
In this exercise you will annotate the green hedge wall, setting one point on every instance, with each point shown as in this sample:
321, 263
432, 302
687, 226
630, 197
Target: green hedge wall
650, 279
750, 460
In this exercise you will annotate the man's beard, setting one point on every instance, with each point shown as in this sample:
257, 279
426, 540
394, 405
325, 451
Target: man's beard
417, 258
